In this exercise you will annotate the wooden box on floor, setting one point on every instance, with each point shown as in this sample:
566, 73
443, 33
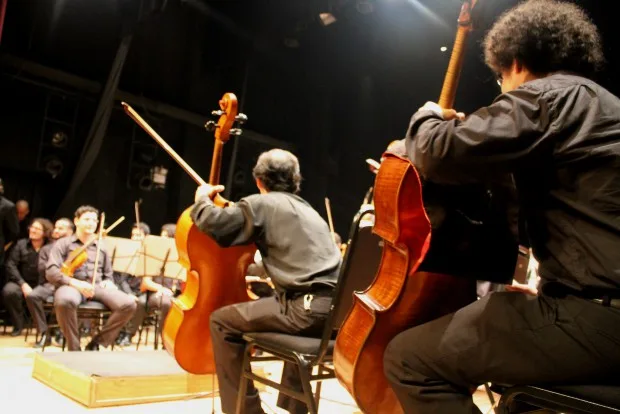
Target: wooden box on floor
102, 379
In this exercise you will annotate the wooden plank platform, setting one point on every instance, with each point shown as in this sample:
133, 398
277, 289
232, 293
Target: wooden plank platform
103, 379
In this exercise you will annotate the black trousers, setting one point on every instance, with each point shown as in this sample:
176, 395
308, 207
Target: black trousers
505, 337
263, 315
13, 298
155, 301
35, 302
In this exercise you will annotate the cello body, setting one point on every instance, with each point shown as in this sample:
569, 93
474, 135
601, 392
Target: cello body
215, 275
215, 278
412, 287
400, 296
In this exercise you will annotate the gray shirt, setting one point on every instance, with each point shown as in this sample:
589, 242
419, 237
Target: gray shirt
297, 248
61, 250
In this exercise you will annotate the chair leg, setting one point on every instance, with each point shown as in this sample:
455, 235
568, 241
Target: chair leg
304, 376
156, 342
243, 381
489, 393
317, 394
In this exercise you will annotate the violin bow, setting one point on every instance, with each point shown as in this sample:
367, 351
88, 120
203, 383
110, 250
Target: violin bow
329, 218
99, 238
76, 252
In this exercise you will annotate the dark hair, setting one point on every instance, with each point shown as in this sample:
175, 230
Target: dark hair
545, 36
278, 170
69, 223
146, 230
170, 229
46, 224
85, 209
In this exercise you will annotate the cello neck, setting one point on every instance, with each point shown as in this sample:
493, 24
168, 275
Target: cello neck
448, 91
216, 162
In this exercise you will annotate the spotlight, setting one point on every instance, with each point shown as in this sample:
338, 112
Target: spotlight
53, 166
145, 182
60, 139
327, 18
158, 177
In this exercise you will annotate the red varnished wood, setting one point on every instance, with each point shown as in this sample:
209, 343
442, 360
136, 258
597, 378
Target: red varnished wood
217, 279
215, 275
400, 297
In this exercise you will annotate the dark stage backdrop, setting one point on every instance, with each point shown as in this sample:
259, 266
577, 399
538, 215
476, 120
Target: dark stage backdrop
337, 94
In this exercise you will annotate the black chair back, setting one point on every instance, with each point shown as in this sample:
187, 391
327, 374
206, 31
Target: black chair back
360, 266
358, 269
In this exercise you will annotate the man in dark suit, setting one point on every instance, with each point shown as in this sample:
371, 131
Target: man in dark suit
9, 225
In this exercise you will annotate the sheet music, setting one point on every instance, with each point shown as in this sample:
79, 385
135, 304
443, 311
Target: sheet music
124, 253
156, 252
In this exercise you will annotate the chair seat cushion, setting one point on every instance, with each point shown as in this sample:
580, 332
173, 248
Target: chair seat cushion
284, 342
602, 394
93, 305
608, 394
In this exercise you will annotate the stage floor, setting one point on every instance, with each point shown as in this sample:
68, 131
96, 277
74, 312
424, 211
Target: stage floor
19, 392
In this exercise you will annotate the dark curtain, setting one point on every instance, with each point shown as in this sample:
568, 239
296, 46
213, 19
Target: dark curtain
98, 128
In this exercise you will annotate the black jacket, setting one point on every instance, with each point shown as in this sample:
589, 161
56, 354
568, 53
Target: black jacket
559, 137
9, 225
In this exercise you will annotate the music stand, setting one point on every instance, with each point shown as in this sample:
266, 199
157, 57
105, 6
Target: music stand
124, 253
158, 257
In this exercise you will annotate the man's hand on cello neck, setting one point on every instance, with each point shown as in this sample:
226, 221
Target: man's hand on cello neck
208, 190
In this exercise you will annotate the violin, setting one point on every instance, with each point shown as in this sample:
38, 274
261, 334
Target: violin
215, 275
78, 257
75, 261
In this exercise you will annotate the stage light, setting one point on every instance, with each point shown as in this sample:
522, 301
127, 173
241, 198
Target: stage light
443, 48
60, 139
327, 18
53, 166
158, 176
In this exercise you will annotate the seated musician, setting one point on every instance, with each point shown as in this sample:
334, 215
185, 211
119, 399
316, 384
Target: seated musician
298, 254
21, 270
168, 230
73, 291
62, 228
145, 289
558, 132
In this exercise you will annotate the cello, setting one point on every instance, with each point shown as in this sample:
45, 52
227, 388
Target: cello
215, 275
402, 295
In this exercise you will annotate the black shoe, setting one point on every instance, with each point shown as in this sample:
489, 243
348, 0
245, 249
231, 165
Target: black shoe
92, 346
124, 340
58, 338
16, 332
44, 341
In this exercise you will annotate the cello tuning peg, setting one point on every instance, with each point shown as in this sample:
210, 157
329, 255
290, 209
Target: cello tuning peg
217, 113
241, 118
236, 131
210, 126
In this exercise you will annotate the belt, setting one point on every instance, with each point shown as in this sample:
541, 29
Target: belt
600, 298
608, 302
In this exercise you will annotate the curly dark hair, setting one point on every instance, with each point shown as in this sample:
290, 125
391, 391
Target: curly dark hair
545, 36
85, 209
278, 170
46, 224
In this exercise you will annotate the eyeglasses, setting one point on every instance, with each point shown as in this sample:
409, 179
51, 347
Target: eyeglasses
499, 78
